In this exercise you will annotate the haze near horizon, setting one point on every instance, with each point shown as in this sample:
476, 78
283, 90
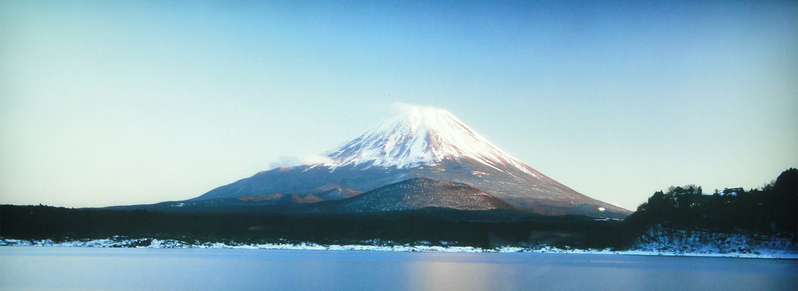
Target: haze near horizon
141, 102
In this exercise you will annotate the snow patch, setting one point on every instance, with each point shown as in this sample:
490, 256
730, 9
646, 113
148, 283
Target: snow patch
775, 249
420, 136
660, 240
293, 161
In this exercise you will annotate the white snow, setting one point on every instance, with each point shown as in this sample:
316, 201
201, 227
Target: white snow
774, 249
658, 239
421, 136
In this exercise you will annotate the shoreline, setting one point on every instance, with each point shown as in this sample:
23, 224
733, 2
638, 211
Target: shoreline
384, 247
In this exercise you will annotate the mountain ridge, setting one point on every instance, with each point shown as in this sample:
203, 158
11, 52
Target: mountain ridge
423, 142
414, 194
422, 135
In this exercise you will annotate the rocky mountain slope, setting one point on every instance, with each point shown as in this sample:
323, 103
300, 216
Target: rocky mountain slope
416, 193
423, 142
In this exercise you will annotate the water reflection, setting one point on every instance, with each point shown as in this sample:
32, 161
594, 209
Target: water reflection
148, 269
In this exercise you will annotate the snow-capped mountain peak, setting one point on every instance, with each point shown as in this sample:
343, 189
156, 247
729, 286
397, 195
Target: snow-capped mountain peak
426, 143
420, 136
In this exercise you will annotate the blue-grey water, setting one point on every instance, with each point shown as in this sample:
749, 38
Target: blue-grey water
54, 268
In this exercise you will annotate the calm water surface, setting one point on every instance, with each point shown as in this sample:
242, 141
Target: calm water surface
52, 268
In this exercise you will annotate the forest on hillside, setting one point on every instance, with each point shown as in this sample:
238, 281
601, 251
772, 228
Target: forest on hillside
770, 211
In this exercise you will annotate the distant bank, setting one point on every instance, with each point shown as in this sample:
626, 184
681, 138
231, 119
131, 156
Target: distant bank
681, 221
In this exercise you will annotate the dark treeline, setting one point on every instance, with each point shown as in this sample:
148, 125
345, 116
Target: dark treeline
769, 211
481, 229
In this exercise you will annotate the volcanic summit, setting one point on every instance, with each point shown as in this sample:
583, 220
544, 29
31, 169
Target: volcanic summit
423, 142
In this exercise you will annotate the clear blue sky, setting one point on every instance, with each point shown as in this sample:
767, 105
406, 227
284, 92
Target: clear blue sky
126, 102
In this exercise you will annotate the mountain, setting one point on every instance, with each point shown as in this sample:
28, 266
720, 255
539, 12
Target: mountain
421, 136
416, 193
423, 142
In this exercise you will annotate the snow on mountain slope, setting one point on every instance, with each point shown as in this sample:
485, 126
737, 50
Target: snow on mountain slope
423, 142
421, 136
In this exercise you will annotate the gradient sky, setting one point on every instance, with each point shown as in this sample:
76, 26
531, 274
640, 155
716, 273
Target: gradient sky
128, 102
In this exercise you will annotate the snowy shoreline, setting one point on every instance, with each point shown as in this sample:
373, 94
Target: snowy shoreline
117, 242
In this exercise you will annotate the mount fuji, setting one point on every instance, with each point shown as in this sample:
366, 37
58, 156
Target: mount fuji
423, 143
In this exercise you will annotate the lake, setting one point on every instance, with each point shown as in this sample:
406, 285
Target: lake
63, 268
